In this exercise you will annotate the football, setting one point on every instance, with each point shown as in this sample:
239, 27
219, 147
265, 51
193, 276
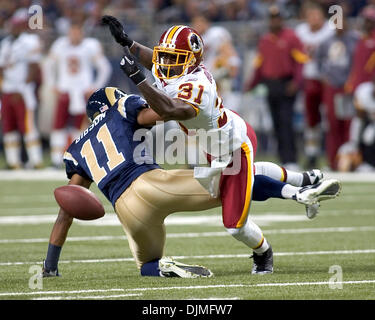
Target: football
79, 202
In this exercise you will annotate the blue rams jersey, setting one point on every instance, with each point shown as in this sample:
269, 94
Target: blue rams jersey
106, 152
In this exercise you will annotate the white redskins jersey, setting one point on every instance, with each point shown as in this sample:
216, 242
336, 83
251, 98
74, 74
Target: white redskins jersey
311, 41
15, 57
225, 131
213, 39
75, 66
198, 89
75, 63
364, 97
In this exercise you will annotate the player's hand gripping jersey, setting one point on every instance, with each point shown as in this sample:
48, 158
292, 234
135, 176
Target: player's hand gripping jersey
105, 151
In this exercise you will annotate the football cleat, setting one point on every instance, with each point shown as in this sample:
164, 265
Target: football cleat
311, 177
324, 190
312, 210
263, 263
170, 268
49, 273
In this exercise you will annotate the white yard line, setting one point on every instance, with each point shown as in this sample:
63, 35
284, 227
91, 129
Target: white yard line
90, 297
10, 199
33, 175
110, 219
217, 286
212, 256
60, 292
286, 284
201, 234
59, 175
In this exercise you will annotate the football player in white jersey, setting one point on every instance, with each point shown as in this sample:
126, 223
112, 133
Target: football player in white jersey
312, 34
71, 63
358, 154
20, 54
186, 92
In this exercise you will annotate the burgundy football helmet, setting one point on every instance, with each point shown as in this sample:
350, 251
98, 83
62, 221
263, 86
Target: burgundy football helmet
179, 52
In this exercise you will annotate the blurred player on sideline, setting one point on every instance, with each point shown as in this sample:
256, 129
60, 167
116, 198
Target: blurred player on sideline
334, 59
20, 54
72, 61
220, 57
312, 33
358, 154
186, 91
278, 64
363, 65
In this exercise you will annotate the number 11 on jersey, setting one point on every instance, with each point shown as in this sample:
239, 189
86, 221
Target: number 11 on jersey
114, 157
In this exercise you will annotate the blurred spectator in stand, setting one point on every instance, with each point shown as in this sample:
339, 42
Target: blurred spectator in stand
20, 54
312, 33
220, 57
358, 154
334, 59
363, 66
278, 65
356, 6
72, 61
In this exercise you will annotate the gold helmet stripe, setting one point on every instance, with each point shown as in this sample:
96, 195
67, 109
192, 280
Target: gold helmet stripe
171, 33
110, 93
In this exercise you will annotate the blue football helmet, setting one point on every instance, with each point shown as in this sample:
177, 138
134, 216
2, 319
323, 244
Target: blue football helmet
101, 100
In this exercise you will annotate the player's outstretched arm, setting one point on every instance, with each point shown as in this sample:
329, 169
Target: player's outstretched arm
148, 117
64, 221
59, 233
166, 107
141, 52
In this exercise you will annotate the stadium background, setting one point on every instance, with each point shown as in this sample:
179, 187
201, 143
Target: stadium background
96, 261
144, 20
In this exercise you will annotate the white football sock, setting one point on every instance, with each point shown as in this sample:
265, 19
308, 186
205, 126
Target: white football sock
58, 141
12, 149
279, 173
34, 149
288, 191
312, 139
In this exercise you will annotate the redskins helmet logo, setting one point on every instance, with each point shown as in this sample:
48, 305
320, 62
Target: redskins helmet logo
195, 42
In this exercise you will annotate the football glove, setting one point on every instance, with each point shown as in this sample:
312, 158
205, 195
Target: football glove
117, 31
130, 67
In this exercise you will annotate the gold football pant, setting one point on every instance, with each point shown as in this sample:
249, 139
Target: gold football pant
153, 196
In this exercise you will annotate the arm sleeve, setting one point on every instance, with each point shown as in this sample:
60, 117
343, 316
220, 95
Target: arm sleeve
257, 74
2, 54
35, 50
72, 167
51, 63
129, 107
299, 57
102, 66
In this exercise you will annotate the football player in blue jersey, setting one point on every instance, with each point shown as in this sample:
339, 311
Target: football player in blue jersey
141, 192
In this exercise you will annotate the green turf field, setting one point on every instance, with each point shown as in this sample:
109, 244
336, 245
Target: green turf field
96, 262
